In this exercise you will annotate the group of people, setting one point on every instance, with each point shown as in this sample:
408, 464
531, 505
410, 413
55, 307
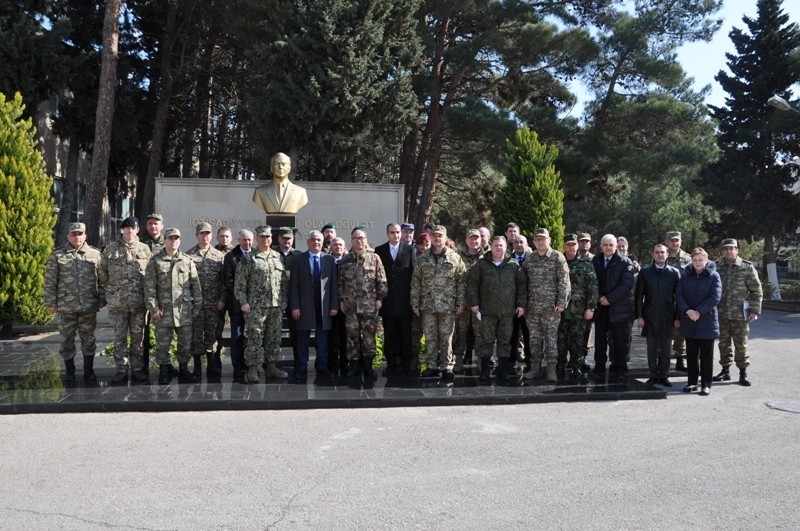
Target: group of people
494, 298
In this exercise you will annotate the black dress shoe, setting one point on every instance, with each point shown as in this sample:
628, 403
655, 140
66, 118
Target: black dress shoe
665, 382
690, 388
325, 373
120, 377
430, 373
300, 376
705, 391
448, 376
651, 381
723, 376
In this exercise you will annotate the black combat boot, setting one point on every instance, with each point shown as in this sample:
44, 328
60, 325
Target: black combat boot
184, 375
369, 372
743, 379
680, 364
88, 369
165, 374
486, 372
507, 371
69, 365
723, 376
213, 364
197, 368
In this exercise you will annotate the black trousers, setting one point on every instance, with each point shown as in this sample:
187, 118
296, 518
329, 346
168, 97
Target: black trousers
397, 342
603, 328
704, 350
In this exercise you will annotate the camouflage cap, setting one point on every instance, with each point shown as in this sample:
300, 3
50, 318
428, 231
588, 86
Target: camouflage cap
263, 230
473, 232
439, 229
584, 236
424, 237
286, 232
172, 231
202, 227
674, 235
571, 238
541, 232
131, 221
326, 226
76, 227
729, 242
407, 226
159, 217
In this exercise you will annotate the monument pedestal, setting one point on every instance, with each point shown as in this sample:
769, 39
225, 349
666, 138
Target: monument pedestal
276, 221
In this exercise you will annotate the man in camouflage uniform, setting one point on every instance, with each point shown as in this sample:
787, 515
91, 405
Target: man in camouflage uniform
337, 339
578, 315
740, 305
678, 259
261, 287
206, 328
73, 290
122, 273
224, 240
585, 246
154, 225
548, 293
467, 325
174, 298
328, 234
362, 287
421, 245
486, 238
224, 244
438, 291
496, 294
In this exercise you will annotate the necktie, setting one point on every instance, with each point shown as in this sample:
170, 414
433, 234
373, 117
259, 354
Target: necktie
317, 291
316, 269
608, 260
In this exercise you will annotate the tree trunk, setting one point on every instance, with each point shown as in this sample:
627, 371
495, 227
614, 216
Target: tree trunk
772, 268
68, 192
104, 118
162, 110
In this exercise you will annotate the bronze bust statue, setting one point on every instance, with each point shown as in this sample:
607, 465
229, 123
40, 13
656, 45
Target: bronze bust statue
280, 196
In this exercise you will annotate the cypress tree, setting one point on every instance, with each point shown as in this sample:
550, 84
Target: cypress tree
532, 195
27, 216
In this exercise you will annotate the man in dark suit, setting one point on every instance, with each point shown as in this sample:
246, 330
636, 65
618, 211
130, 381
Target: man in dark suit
520, 335
229, 265
614, 283
398, 260
313, 300
288, 254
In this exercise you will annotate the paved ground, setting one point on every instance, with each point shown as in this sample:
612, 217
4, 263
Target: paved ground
727, 461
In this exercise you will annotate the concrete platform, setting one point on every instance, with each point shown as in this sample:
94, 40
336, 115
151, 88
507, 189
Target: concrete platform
32, 381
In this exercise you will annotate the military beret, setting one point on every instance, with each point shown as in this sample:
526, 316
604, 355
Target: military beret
730, 242
473, 232
541, 232
172, 231
130, 222
407, 226
424, 237
439, 229
673, 235
328, 226
202, 227
571, 238
76, 227
286, 232
263, 230
159, 217
584, 236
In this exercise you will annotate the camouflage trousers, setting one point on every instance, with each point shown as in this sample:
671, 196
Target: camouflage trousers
679, 346
571, 334
736, 332
543, 328
262, 328
438, 329
128, 322
360, 329
464, 322
82, 323
495, 328
416, 342
205, 331
164, 335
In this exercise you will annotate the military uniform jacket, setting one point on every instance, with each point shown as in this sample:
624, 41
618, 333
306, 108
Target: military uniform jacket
122, 273
583, 293
154, 245
496, 289
739, 283
439, 284
262, 281
362, 281
224, 248
470, 259
71, 279
548, 281
680, 260
171, 285
209, 269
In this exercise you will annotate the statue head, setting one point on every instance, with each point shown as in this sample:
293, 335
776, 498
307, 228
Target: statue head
281, 166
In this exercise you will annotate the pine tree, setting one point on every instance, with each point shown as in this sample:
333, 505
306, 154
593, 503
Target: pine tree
532, 195
26, 218
748, 185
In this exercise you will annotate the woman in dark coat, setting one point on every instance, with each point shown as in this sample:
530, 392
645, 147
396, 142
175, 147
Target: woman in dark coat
699, 291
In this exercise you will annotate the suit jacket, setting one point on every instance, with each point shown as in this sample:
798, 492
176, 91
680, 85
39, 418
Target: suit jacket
398, 274
301, 290
615, 283
294, 198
